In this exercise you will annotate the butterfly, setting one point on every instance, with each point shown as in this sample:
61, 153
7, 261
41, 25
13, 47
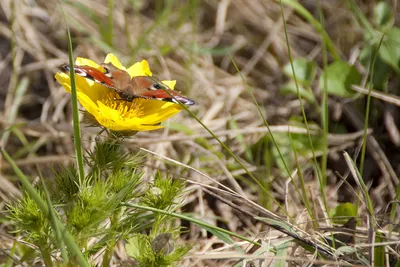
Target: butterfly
128, 88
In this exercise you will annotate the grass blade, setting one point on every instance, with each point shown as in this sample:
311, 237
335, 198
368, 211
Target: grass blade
75, 111
190, 219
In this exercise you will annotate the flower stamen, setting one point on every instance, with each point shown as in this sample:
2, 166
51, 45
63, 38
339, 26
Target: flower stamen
126, 109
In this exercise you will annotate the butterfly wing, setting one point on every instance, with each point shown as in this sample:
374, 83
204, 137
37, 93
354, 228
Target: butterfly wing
152, 88
138, 87
91, 74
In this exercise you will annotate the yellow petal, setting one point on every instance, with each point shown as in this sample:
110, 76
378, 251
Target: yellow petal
92, 89
170, 84
80, 61
139, 69
163, 113
110, 58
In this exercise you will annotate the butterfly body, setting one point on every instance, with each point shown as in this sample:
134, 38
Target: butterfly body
128, 88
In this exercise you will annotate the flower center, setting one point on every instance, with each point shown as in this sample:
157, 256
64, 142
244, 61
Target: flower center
127, 110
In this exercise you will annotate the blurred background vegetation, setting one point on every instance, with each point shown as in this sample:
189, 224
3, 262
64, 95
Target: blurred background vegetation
304, 95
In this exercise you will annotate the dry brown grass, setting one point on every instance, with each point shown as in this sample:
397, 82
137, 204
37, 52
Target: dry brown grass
187, 46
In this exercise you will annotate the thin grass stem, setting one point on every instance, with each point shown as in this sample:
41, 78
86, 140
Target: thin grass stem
75, 110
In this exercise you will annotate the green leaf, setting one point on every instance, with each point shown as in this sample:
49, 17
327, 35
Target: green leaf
222, 236
383, 15
304, 69
342, 212
390, 49
339, 77
290, 88
381, 73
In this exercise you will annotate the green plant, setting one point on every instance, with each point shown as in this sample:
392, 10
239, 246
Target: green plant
92, 213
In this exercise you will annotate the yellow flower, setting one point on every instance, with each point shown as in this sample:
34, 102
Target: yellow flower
106, 107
